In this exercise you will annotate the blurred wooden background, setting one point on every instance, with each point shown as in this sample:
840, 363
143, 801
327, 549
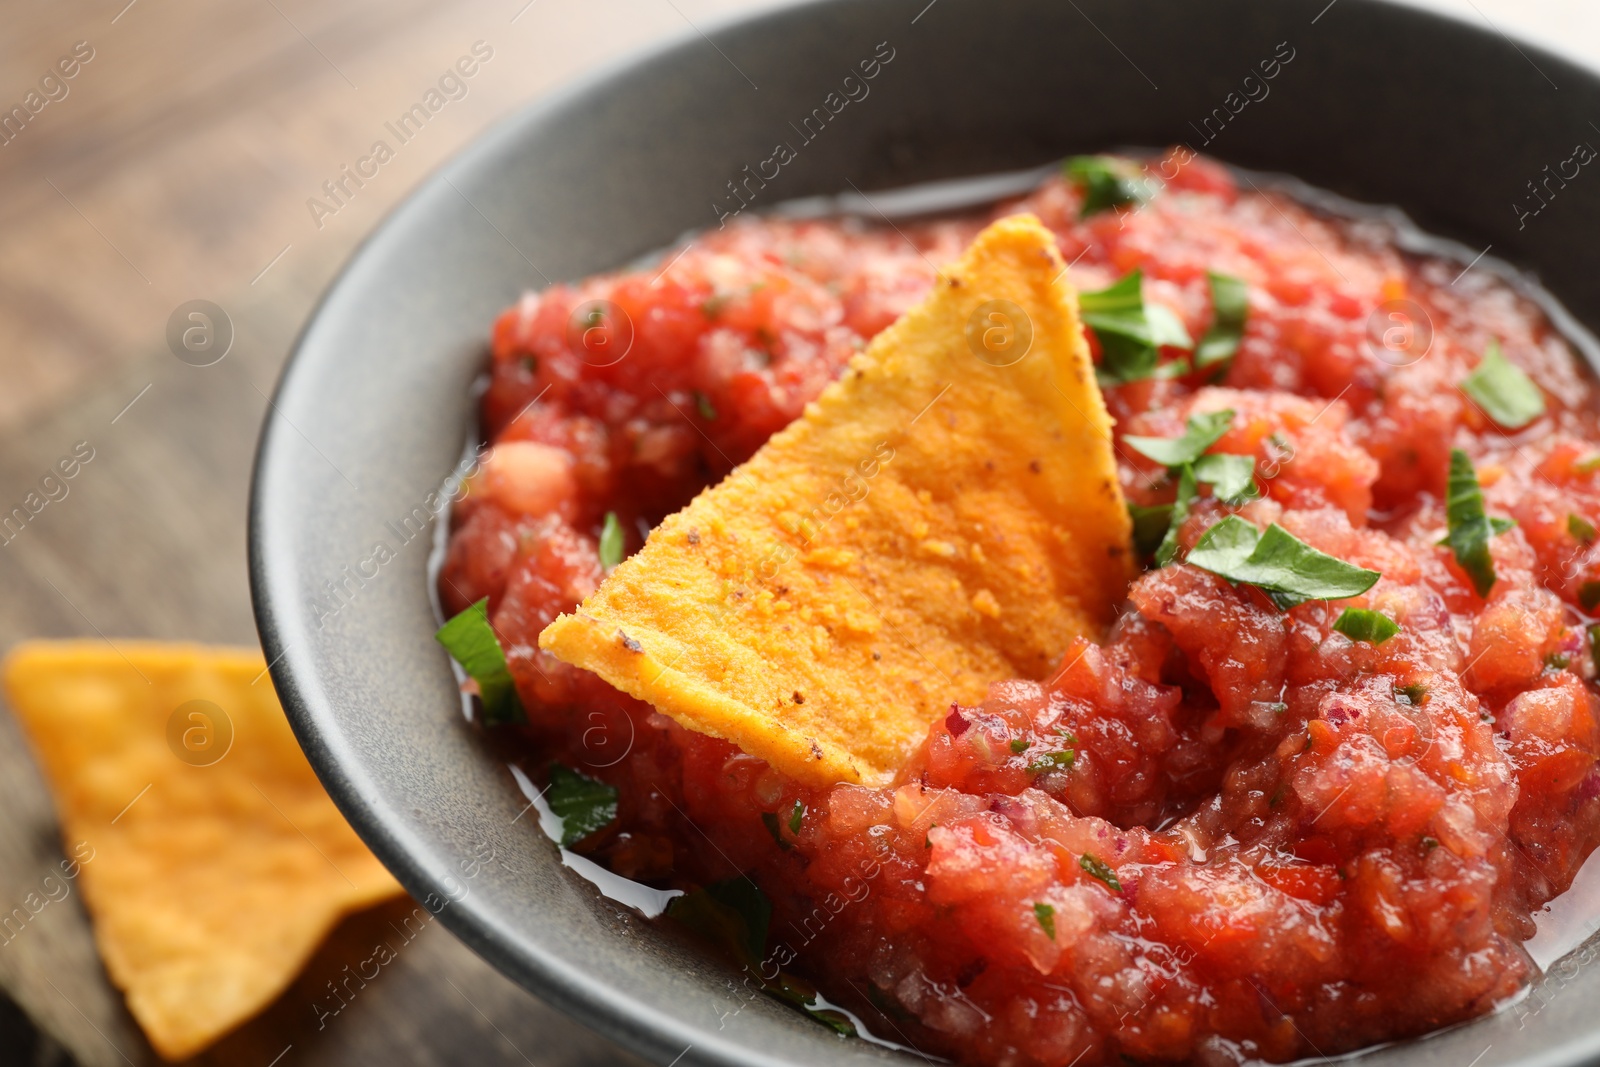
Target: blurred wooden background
177, 167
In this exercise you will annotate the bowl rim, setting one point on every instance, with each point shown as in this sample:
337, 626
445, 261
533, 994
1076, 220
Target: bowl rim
599, 1006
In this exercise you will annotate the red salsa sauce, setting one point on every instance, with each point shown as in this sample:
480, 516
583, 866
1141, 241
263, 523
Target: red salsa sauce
1228, 832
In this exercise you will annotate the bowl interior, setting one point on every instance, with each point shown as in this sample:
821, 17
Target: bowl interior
1379, 102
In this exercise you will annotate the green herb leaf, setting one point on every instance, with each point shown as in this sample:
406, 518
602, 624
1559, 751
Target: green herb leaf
471, 641
1364, 624
1581, 528
1098, 868
1150, 525
1107, 182
734, 915
1281, 565
611, 542
1059, 760
1589, 595
1594, 645
1046, 914
1019, 745
769, 819
1168, 549
1230, 305
1588, 465
583, 804
1503, 390
1199, 434
1557, 661
1131, 335
1470, 528
1232, 478
703, 402
1414, 693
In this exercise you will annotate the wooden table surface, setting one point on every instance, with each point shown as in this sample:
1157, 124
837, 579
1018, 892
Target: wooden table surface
177, 167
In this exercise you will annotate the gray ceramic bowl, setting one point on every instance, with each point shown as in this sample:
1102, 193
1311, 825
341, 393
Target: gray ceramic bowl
1386, 104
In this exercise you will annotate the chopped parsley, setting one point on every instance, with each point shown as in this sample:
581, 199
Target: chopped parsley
774, 823
1588, 465
1131, 333
583, 804
1594, 644
1581, 528
1061, 759
1232, 478
1168, 549
1230, 304
1415, 693
1281, 565
471, 641
734, 915
1019, 745
1589, 595
1150, 525
1106, 183
1503, 390
1098, 868
1364, 624
1046, 914
1199, 434
610, 541
1470, 527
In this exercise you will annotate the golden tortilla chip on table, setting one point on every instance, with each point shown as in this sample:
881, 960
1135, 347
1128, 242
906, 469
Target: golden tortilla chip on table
212, 862
945, 516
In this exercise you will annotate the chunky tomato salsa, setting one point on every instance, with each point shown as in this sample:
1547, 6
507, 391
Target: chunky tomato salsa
1274, 814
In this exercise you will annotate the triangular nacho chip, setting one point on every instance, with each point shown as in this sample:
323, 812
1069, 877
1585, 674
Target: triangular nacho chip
212, 861
945, 516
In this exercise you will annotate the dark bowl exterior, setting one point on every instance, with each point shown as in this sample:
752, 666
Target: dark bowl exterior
1383, 103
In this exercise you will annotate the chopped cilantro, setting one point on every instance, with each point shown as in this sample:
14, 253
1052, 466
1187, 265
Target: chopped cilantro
1594, 645
1429, 844
797, 815
1107, 182
583, 804
1588, 465
1232, 478
1470, 527
1364, 624
1199, 434
703, 403
1589, 595
1281, 565
1415, 693
1098, 868
471, 640
1019, 745
1061, 759
734, 915
770, 820
1557, 661
1131, 333
1230, 304
611, 541
1046, 914
1150, 525
1168, 549
1503, 390
1581, 528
